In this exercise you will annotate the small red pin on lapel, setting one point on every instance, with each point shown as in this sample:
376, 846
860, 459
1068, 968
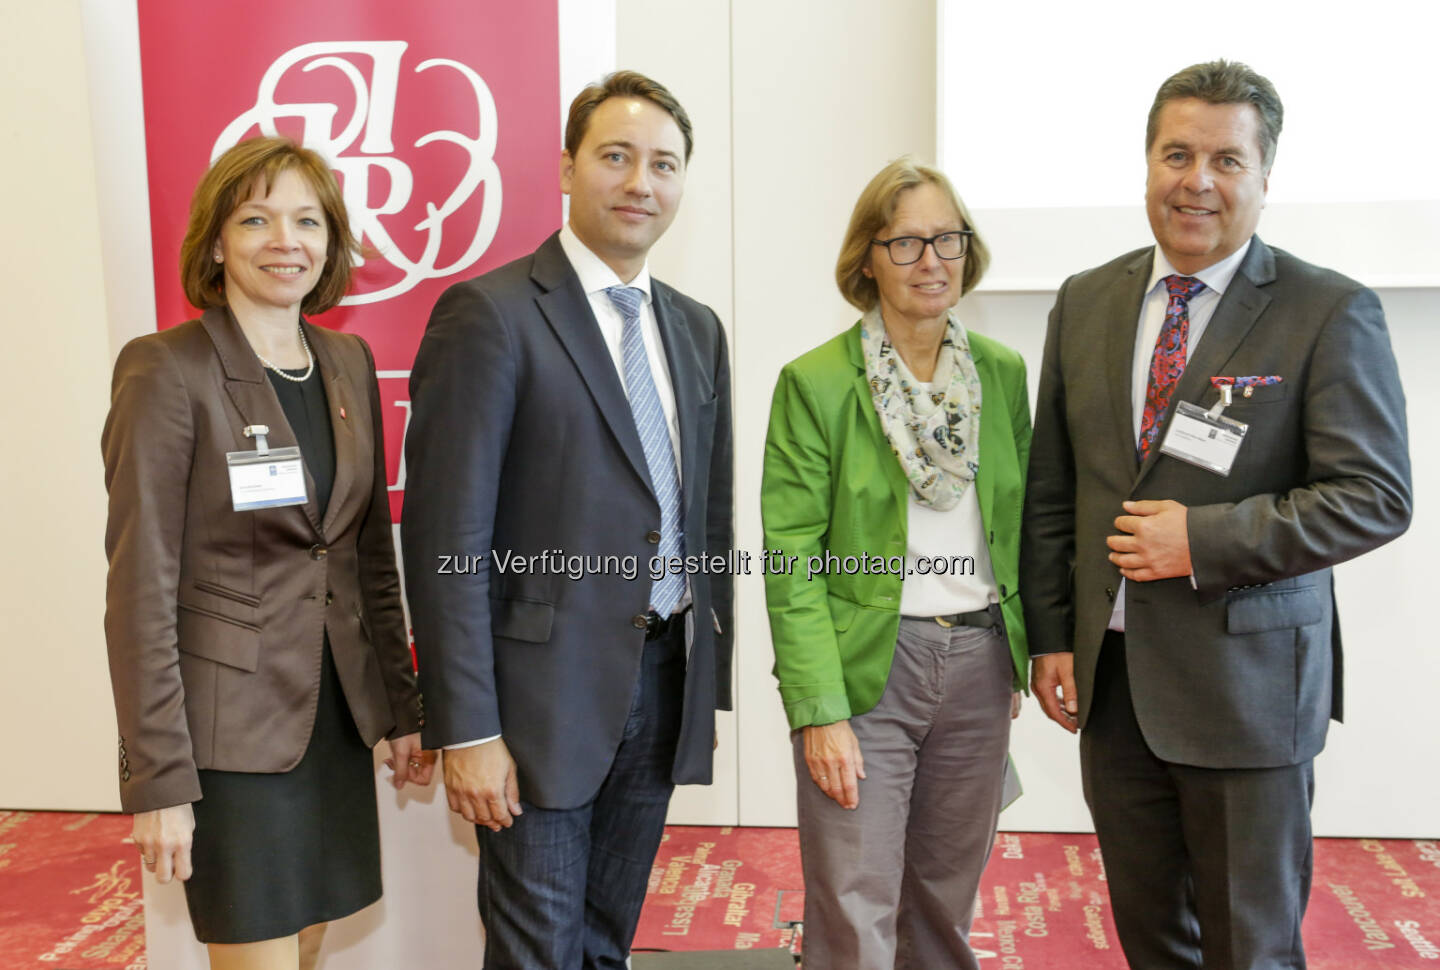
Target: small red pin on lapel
342, 413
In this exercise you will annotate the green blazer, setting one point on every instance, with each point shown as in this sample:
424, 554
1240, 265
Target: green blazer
832, 484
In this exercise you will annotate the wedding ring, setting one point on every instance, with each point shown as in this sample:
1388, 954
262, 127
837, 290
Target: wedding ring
414, 763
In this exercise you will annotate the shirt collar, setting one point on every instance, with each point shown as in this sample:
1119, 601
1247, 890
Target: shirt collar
1216, 276
595, 276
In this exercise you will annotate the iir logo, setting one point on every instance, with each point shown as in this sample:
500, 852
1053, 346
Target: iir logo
363, 142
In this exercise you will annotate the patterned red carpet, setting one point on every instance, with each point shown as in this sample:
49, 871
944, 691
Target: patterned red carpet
69, 893
1042, 903
70, 898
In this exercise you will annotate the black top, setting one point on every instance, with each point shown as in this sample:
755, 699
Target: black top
308, 412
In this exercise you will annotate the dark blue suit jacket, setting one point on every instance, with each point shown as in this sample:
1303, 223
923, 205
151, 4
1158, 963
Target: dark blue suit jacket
522, 443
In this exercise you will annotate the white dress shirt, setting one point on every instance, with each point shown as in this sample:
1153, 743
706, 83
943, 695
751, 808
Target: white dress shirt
595, 279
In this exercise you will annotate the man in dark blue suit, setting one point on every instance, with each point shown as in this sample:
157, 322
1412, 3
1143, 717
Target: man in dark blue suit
570, 438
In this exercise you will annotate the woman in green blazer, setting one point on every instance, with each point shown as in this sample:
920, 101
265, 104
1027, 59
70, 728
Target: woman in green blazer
893, 484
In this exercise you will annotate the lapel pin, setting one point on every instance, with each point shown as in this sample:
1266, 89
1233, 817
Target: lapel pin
342, 412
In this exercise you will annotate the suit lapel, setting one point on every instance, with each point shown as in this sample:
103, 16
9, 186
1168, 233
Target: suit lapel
567, 309
894, 474
250, 391
339, 396
1120, 315
1231, 322
685, 380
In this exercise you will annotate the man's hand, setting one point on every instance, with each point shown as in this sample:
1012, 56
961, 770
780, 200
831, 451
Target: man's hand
832, 754
480, 784
1156, 544
164, 836
1052, 672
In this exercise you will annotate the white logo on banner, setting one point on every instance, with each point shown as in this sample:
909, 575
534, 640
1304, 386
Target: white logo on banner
370, 125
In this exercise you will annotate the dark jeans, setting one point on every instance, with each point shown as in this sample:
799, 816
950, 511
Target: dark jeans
562, 889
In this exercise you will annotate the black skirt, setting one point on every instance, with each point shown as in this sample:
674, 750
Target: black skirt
275, 853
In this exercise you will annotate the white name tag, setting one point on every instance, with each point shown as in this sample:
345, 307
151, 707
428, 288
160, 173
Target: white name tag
1208, 440
266, 481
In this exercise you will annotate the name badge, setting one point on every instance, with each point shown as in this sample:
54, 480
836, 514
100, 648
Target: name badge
265, 478
1204, 438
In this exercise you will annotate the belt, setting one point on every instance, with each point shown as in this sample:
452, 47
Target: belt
980, 619
657, 626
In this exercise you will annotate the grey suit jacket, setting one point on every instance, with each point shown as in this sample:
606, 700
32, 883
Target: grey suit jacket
1241, 670
215, 619
522, 442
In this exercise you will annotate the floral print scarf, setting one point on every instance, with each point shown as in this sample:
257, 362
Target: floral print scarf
935, 430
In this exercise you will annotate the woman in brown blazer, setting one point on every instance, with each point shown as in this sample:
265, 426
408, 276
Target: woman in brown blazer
257, 655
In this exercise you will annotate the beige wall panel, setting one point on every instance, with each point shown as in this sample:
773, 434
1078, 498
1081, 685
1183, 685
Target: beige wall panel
824, 94
55, 707
692, 59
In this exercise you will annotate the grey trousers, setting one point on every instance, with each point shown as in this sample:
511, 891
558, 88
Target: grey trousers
893, 883
1207, 868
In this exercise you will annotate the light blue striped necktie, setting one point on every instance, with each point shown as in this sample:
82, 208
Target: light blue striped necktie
655, 439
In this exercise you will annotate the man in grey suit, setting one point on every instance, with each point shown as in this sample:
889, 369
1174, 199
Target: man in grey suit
569, 475
1176, 563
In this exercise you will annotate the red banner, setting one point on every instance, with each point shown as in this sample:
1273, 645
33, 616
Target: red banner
441, 120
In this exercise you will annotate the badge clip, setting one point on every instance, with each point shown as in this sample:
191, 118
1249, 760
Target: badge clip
258, 432
1226, 396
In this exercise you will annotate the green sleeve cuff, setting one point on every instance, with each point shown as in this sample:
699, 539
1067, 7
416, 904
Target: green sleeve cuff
815, 709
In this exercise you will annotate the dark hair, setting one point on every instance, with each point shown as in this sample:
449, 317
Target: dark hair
622, 84
873, 212
1223, 82
254, 165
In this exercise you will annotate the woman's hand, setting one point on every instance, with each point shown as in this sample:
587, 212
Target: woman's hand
409, 761
833, 756
1015, 705
163, 837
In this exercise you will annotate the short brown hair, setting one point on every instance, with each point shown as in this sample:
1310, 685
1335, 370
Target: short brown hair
873, 212
255, 164
1223, 82
623, 84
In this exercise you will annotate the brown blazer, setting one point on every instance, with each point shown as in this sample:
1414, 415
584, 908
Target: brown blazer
215, 619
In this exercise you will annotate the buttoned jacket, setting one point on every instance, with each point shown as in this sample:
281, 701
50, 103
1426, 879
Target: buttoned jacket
522, 453
215, 619
1240, 665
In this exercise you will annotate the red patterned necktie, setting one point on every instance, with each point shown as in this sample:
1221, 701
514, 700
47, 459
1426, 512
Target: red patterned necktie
1169, 361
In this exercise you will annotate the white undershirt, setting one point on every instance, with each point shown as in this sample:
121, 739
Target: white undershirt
942, 537
1152, 317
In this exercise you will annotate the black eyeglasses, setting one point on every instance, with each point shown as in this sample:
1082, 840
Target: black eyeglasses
905, 250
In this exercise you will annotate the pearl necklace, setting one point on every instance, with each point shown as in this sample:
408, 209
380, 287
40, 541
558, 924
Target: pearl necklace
309, 357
